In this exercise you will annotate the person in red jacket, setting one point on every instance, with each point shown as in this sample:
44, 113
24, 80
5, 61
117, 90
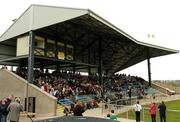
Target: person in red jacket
153, 111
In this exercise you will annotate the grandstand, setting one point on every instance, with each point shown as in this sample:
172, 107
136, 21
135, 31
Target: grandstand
69, 41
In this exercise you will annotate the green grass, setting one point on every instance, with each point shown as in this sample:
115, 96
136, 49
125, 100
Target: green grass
171, 116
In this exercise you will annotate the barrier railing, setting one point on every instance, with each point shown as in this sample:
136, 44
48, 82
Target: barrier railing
124, 101
129, 113
65, 102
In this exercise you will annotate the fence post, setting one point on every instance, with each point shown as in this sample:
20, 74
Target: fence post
143, 114
127, 115
102, 105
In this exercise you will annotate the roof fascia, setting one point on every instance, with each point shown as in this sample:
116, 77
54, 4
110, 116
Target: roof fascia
94, 15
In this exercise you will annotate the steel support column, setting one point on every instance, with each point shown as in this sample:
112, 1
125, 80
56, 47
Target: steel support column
74, 68
31, 57
74, 50
149, 68
100, 62
89, 57
42, 68
30, 66
58, 67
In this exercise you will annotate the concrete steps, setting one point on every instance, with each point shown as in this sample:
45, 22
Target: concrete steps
60, 109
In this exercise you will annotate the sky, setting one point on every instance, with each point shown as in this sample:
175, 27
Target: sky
138, 18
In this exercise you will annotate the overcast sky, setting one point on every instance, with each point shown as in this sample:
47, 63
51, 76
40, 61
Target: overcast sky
136, 17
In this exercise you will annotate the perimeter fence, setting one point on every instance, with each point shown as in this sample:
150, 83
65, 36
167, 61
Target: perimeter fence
127, 111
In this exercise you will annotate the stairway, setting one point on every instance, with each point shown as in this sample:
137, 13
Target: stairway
60, 109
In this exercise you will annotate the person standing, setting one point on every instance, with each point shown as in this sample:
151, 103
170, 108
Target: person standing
14, 109
153, 111
130, 92
137, 108
1, 110
162, 112
7, 101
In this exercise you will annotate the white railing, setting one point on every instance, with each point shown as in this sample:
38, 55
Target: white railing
127, 111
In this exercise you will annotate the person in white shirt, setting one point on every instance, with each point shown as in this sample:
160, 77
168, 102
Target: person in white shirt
137, 108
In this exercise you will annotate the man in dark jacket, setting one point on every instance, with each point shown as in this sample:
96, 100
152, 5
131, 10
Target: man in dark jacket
1, 111
5, 113
162, 112
78, 109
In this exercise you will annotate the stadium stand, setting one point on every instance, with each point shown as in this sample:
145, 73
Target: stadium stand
66, 85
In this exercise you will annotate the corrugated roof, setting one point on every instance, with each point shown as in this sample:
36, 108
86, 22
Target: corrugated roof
39, 16
127, 52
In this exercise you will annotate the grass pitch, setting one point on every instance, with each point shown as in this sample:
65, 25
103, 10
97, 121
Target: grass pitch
171, 115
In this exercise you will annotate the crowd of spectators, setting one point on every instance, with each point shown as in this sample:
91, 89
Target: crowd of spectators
124, 85
63, 84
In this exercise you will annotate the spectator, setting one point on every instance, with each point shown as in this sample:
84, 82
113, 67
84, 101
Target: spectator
14, 110
71, 108
137, 110
4, 67
129, 92
7, 101
2, 109
78, 109
153, 111
66, 111
113, 116
162, 112
153, 97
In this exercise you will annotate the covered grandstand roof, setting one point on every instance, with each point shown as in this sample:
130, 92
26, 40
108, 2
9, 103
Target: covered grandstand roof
119, 50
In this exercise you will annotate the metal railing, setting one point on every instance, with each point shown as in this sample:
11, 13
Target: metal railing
125, 101
128, 112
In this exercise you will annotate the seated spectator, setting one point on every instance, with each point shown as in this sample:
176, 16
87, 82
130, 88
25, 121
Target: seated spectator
94, 103
78, 109
71, 108
113, 116
4, 67
66, 111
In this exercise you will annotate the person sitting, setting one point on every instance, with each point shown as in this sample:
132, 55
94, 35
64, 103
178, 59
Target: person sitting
66, 111
71, 108
113, 116
78, 109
